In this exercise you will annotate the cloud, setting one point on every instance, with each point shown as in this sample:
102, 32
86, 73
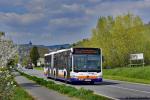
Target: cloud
21, 19
61, 21
25, 37
118, 7
74, 7
69, 22
8, 3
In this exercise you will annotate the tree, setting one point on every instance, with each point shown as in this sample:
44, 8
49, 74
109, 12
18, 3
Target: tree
119, 37
2, 34
42, 51
25, 61
34, 55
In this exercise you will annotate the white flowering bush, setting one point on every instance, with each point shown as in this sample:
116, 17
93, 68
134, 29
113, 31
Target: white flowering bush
6, 84
7, 51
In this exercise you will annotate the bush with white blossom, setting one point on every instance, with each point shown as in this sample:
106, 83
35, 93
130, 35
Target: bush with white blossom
7, 51
6, 84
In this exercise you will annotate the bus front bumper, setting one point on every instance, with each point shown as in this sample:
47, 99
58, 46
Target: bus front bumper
85, 80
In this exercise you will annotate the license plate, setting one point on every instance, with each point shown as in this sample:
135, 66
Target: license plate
87, 80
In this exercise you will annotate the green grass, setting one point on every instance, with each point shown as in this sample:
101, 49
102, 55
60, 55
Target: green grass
81, 93
131, 74
38, 68
21, 94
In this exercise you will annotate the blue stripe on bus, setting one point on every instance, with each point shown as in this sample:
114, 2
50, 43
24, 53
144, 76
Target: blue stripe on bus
78, 80
94, 80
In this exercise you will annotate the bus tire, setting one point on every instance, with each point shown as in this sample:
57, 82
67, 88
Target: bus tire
92, 82
65, 76
54, 75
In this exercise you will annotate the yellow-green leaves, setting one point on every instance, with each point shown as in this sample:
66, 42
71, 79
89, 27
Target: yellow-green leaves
119, 37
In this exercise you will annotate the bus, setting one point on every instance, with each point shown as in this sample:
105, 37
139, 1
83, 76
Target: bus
74, 65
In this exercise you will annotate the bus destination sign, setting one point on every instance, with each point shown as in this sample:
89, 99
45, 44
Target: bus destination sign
86, 51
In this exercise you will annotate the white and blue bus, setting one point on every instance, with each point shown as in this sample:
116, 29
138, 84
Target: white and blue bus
75, 65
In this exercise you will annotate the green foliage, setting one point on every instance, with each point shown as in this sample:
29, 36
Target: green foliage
11, 62
134, 74
83, 43
6, 84
2, 34
81, 93
119, 37
16, 59
34, 55
42, 51
38, 68
25, 61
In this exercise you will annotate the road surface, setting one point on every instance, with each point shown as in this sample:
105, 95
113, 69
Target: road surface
110, 88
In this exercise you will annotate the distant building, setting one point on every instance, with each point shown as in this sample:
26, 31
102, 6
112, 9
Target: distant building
40, 62
30, 43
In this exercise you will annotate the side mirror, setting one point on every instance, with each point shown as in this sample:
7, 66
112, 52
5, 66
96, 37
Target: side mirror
103, 59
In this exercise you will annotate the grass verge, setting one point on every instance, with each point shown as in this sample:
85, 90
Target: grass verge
21, 94
81, 93
38, 68
130, 74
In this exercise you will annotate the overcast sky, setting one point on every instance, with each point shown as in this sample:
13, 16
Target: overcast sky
50, 22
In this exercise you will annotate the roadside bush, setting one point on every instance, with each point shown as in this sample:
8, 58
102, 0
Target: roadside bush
6, 84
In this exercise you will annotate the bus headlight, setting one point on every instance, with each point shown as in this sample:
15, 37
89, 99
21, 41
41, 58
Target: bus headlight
74, 76
99, 76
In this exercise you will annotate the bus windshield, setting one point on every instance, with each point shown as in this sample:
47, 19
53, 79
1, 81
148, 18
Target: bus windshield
87, 62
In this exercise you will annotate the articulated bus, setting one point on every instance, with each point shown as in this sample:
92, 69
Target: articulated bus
75, 65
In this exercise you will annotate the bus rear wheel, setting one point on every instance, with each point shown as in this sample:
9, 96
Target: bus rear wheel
92, 82
54, 75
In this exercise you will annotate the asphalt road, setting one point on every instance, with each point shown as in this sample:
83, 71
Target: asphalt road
110, 88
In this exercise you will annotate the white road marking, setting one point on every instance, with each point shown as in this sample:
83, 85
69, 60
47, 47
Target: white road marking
127, 82
105, 96
131, 89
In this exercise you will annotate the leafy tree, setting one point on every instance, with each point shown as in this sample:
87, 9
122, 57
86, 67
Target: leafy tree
2, 34
42, 51
25, 61
82, 43
34, 55
119, 37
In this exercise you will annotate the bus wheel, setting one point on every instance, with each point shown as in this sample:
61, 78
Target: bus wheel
65, 77
92, 82
54, 75
64, 74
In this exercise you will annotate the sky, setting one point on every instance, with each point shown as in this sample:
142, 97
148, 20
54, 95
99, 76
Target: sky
51, 22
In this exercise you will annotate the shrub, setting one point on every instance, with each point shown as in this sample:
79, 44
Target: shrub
6, 84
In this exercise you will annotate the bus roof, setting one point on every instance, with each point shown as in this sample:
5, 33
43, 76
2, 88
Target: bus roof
58, 51
62, 50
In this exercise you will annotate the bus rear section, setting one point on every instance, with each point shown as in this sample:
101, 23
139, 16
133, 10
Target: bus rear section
75, 65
